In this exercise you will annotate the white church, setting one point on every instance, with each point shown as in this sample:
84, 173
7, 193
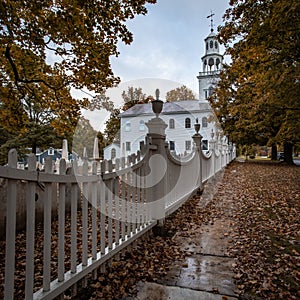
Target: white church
179, 116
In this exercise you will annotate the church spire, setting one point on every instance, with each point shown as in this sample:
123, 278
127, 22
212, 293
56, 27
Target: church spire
212, 62
211, 21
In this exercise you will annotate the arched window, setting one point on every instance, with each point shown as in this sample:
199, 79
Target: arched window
113, 153
204, 122
142, 125
187, 123
127, 126
216, 45
217, 62
211, 44
211, 62
171, 124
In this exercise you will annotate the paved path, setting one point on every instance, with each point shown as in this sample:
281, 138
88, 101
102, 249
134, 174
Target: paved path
206, 273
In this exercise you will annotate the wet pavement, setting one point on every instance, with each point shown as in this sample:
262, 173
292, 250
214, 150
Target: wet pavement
206, 272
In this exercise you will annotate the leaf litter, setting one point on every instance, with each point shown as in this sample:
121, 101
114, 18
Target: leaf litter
265, 241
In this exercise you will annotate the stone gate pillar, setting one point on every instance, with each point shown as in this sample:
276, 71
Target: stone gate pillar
157, 160
197, 138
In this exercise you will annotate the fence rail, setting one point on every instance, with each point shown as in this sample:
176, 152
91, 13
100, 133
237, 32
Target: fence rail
104, 205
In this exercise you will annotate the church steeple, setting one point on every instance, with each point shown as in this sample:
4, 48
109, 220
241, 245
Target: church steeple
212, 60
211, 63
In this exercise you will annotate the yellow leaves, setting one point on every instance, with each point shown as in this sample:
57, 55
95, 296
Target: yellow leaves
181, 93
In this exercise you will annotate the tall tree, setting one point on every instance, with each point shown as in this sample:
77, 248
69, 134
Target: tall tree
33, 112
133, 96
180, 93
49, 47
84, 137
257, 97
112, 127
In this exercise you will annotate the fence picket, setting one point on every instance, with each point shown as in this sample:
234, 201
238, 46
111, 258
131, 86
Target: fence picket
117, 202
110, 207
85, 215
47, 228
74, 202
102, 209
94, 212
30, 225
61, 223
123, 195
10, 229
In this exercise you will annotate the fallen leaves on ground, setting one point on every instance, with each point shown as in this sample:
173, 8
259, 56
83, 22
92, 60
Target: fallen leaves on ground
267, 220
264, 209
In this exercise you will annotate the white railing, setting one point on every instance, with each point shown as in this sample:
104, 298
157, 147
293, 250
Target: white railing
110, 207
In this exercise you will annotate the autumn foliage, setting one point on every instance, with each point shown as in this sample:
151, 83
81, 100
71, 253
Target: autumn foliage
47, 49
257, 99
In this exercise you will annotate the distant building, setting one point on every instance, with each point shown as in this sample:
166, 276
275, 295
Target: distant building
112, 151
54, 154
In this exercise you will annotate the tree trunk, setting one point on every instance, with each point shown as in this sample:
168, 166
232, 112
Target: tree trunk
274, 152
288, 153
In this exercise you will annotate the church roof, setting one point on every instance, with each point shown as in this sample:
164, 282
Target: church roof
169, 108
211, 34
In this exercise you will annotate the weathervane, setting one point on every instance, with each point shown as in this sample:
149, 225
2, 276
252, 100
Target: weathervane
211, 21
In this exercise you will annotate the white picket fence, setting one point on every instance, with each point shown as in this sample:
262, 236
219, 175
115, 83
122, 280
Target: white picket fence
117, 204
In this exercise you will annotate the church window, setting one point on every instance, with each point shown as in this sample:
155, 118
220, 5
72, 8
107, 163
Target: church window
205, 62
128, 146
188, 145
211, 44
171, 124
204, 122
204, 144
172, 145
113, 153
127, 126
211, 62
142, 125
216, 45
187, 123
217, 62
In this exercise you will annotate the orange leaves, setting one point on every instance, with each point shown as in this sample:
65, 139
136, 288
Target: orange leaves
181, 93
266, 247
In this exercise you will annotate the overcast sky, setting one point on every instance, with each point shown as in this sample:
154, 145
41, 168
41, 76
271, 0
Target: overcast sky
166, 51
